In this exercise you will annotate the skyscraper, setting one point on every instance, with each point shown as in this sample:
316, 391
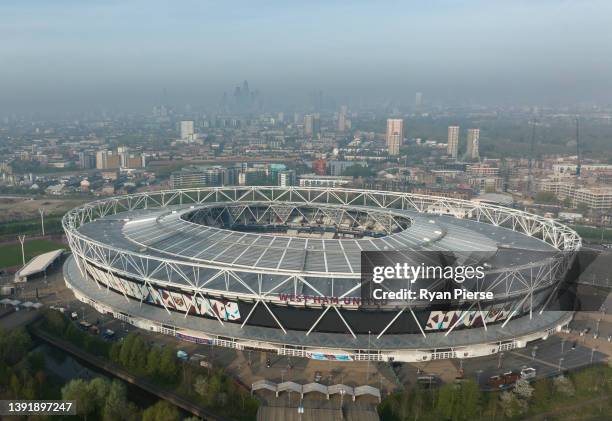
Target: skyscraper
312, 125
308, 125
473, 137
395, 135
453, 141
341, 122
418, 99
316, 124
123, 152
187, 131
101, 159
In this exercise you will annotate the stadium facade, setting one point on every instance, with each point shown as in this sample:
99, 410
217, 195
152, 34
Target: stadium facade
279, 269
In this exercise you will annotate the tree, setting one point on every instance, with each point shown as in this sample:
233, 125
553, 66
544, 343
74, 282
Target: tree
445, 405
468, 404
99, 389
117, 406
541, 393
137, 358
36, 361
563, 386
168, 368
14, 346
85, 397
161, 411
126, 349
15, 386
358, 171
115, 352
523, 389
153, 358
545, 197
54, 322
510, 405
29, 388
200, 385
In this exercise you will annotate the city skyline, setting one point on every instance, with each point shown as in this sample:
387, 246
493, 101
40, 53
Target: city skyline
106, 55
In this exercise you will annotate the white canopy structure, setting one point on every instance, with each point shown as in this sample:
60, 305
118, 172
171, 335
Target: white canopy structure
37, 265
340, 389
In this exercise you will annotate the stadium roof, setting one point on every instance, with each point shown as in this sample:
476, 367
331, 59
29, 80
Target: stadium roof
163, 233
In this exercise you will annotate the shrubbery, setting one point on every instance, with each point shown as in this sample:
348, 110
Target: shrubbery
212, 389
466, 402
22, 374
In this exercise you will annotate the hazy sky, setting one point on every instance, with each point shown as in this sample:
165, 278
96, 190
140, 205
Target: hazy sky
63, 54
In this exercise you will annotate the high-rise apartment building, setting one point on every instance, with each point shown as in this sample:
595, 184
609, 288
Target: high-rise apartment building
312, 125
452, 147
308, 124
101, 159
286, 178
316, 124
198, 177
123, 152
473, 138
87, 160
418, 99
187, 130
341, 122
395, 135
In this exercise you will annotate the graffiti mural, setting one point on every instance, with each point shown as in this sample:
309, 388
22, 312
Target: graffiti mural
172, 300
442, 320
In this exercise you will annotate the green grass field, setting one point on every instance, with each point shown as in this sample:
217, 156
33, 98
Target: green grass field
10, 254
593, 234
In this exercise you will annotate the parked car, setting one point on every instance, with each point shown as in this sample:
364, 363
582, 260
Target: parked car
108, 334
528, 373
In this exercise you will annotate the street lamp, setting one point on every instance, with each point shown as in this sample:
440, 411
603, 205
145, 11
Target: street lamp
499, 361
22, 240
560, 361
562, 345
42, 219
478, 373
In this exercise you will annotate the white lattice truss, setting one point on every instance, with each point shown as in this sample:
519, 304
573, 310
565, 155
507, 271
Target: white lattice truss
161, 270
358, 220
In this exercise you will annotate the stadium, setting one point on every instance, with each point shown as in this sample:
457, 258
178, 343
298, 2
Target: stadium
280, 269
